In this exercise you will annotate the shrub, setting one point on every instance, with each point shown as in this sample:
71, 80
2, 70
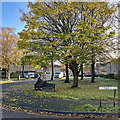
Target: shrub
117, 77
102, 75
111, 76
106, 76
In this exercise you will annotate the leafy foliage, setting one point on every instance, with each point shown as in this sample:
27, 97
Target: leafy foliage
74, 32
10, 53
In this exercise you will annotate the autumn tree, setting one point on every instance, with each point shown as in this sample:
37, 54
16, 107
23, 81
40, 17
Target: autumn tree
96, 28
53, 26
71, 30
10, 53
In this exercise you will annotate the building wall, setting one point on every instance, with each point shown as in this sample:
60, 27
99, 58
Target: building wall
26, 68
57, 68
112, 68
101, 68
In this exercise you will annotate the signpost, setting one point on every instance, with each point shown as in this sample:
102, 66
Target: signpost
108, 88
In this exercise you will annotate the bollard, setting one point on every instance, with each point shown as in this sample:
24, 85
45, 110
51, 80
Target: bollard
19, 77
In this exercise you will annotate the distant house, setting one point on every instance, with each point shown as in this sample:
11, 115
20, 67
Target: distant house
15, 68
57, 67
101, 68
112, 68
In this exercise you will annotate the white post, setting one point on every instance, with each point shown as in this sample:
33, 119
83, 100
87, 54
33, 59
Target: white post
19, 77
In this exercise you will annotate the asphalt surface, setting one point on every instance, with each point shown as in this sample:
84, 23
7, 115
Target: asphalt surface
8, 113
39, 103
6, 85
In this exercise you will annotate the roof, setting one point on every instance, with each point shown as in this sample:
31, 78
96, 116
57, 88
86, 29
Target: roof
57, 63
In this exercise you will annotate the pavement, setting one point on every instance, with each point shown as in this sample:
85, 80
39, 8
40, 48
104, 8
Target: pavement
43, 104
7, 113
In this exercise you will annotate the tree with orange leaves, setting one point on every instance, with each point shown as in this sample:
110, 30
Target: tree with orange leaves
10, 53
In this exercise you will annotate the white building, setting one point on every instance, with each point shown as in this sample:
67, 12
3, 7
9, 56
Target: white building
112, 68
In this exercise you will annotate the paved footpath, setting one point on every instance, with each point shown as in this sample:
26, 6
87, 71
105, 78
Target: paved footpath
41, 103
7, 113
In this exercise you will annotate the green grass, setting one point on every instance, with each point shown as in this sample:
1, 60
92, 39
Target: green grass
85, 91
95, 108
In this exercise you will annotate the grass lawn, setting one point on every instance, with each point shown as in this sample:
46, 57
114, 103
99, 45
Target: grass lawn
85, 91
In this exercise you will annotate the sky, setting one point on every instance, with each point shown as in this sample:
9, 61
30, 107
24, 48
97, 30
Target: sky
11, 15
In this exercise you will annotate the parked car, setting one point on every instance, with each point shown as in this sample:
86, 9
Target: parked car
96, 74
88, 74
48, 74
30, 75
71, 75
36, 75
56, 75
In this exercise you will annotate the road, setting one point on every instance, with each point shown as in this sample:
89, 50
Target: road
7, 113
59, 106
18, 82
6, 85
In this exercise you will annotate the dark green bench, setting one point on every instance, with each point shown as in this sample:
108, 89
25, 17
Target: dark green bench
48, 86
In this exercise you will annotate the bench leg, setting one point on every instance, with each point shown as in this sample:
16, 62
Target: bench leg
35, 87
54, 88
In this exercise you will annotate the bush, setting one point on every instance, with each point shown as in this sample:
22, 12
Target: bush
111, 76
106, 76
102, 75
117, 77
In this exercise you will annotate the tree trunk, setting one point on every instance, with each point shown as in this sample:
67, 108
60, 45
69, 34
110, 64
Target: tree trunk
81, 71
74, 68
5, 73
8, 72
75, 80
23, 71
93, 71
67, 75
52, 70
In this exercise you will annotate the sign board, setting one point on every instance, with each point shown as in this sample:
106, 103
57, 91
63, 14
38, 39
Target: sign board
108, 88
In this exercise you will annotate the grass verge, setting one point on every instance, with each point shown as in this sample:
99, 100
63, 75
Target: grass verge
85, 91
90, 116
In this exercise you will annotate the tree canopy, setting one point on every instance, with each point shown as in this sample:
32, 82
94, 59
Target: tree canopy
74, 31
10, 53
